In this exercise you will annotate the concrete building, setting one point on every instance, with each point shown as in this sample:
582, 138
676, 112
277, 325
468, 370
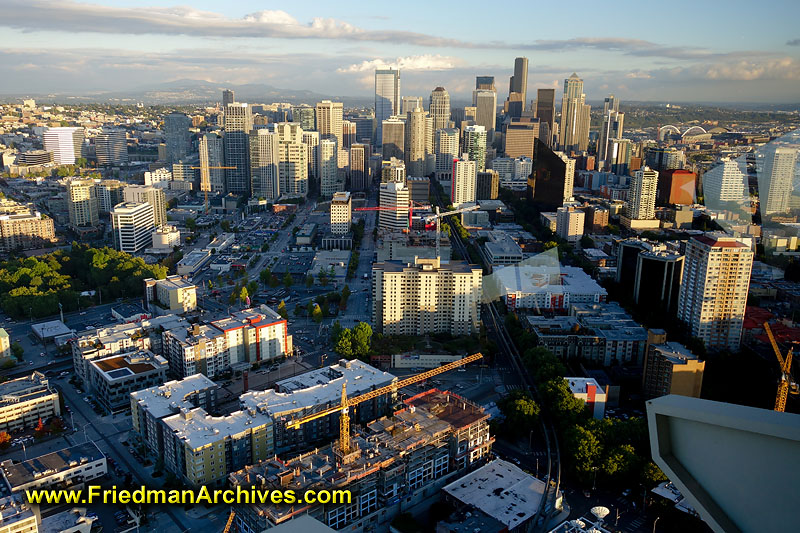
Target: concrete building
439, 108
487, 185
255, 335
596, 220
159, 177
520, 136
387, 98
132, 226
463, 182
329, 121
305, 116
642, 196
76, 465
713, 294
329, 181
670, 368
665, 158
175, 294
775, 185
238, 123
23, 401
341, 213
65, 143
419, 189
546, 110
404, 247
196, 349
17, 516
5, 344
265, 182
166, 238
446, 150
611, 128
293, 162
152, 195
111, 147
547, 287
592, 394
25, 229
426, 297
394, 200
84, 208
397, 461
393, 170
570, 223
212, 156
502, 249
112, 379
414, 142
485, 102
311, 141
178, 137
575, 119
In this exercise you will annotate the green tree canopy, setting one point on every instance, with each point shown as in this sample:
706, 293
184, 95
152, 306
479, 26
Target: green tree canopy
362, 339
344, 344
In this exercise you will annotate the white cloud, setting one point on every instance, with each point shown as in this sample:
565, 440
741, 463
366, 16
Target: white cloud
421, 62
638, 75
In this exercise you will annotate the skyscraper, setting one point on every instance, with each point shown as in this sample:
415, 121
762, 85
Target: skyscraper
212, 155
238, 123
485, 102
132, 225
83, 204
65, 143
328, 168
394, 198
446, 150
776, 178
520, 136
484, 83
305, 115
227, 98
264, 158
151, 195
619, 156
415, 142
178, 136
439, 108
551, 179
311, 140
642, 195
111, 147
329, 121
348, 133
546, 109
713, 294
464, 182
359, 167
410, 103
519, 81
726, 182
574, 128
475, 145
487, 185
293, 159
387, 98
611, 129
393, 142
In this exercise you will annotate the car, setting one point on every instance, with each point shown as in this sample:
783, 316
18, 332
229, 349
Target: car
30, 364
587, 494
89, 327
626, 492
41, 354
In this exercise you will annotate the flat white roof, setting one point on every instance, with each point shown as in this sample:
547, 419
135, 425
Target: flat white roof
501, 490
528, 279
197, 428
578, 385
167, 399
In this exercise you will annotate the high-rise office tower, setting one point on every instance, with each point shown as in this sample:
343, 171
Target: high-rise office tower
132, 225
393, 142
776, 178
415, 136
328, 168
83, 205
178, 136
485, 83
574, 128
619, 156
611, 129
329, 121
410, 103
546, 109
726, 182
264, 159
393, 170
311, 140
238, 123
487, 185
446, 150
658, 280
341, 213
485, 102
642, 195
439, 108
293, 159
365, 127
426, 297
713, 294
387, 99
227, 98
519, 137
552, 176
666, 158
151, 195
475, 145
394, 198
518, 84
348, 133
464, 181
305, 115
111, 147
109, 194
430, 157
65, 143
359, 167
212, 154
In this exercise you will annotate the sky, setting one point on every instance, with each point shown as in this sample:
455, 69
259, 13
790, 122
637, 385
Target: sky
678, 51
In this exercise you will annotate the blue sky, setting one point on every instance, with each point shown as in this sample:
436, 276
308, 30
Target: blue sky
679, 51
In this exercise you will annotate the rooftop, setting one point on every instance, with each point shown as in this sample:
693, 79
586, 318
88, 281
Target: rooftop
579, 385
676, 353
65, 520
255, 317
128, 364
12, 510
459, 267
543, 278
22, 473
175, 282
169, 398
198, 428
501, 490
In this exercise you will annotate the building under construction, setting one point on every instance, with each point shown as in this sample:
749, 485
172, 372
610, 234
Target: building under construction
395, 464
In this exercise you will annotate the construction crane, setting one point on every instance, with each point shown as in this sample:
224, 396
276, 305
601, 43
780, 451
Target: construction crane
786, 385
347, 403
230, 522
438, 216
411, 207
205, 191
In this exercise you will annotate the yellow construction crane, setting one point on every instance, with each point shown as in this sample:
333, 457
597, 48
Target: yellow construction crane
346, 403
786, 385
205, 191
230, 522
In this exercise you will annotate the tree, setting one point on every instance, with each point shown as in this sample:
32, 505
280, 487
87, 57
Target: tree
288, 279
5, 440
652, 474
316, 314
282, 309
310, 308
521, 413
297, 310
336, 330
225, 225
243, 295
584, 448
191, 224
322, 276
40, 429
550, 244
587, 242
252, 287
17, 350
345, 295
309, 281
265, 276
344, 344
620, 461
362, 339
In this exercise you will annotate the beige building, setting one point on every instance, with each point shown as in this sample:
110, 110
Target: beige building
341, 213
151, 195
171, 295
84, 207
642, 195
23, 401
255, 335
329, 121
57, 470
293, 160
570, 222
670, 368
394, 199
25, 229
5, 344
414, 145
426, 297
198, 349
713, 294
464, 182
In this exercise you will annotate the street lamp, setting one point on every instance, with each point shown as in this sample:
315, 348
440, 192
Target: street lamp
594, 482
654, 524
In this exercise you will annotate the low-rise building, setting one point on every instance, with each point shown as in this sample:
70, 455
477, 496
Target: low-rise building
333, 263
73, 520
305, 235
175, 294
23, 401
16, 516
546, 287
70, 466
670, 368
112, 379
502, 249
193, 262
592, 394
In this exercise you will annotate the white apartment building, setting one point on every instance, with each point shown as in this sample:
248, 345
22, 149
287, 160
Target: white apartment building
264, 158
65, 143
132, 225
329, 182
293, 164
713, 293
255, 335
446, 150
23, 401
426, 297
199, 349
159, 177
394, 201
642, 195
329, 121
341, 213
569, 223
464, 181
